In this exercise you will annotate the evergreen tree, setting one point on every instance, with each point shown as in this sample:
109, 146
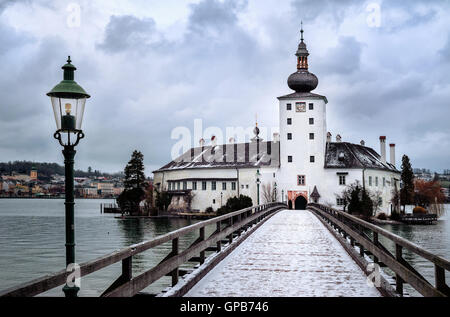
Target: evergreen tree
134, 185
134, 171
407, 176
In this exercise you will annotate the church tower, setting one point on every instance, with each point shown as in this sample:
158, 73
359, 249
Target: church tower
302, 135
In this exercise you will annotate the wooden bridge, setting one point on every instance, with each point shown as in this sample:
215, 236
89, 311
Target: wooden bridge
267, 250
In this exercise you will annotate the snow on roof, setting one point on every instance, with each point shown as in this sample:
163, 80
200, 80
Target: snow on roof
237, 155
349, 155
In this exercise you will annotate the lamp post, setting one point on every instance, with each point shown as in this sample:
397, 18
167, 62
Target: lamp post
258, 181
68, 102
221, 195
275, 198
282, 196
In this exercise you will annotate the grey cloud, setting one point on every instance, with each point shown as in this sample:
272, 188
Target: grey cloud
128, 32
345, 58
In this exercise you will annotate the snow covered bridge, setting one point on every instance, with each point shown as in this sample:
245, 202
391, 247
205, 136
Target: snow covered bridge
291, 254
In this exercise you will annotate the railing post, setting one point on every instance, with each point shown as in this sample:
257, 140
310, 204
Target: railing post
202, 238
398, 279
127, 268
375, 241
175, 251
219, 243
230, 236
439, 276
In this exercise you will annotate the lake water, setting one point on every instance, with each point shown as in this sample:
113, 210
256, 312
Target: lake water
32, 242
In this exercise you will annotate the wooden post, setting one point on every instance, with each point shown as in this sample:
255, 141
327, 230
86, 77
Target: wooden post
219, 243
375, 241
175, 251
127, 272
439, 275
230, 236
398, 279
202, 238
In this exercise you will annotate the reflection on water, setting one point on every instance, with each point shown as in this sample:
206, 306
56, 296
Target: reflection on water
32, 242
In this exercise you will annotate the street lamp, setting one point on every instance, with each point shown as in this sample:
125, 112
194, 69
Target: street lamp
68, 101
274, 192
258, 181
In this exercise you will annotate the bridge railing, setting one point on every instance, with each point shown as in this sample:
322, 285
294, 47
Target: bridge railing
227, 226
366, 236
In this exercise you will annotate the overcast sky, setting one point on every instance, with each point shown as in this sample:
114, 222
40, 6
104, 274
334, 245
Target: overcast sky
152, 66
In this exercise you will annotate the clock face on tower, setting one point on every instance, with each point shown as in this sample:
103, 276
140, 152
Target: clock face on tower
300, 106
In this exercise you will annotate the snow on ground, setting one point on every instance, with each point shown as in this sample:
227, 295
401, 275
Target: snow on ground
292, 254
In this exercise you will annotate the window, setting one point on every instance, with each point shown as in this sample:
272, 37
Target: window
340, 201
289, 159
311, 136
288, 106
301, 180
289, 121
194, 185
289, 136
224, 186
203, 185
384, 182
246, 186
311, 120
376, 181
380, 201
213, 185
214, 201
341, 179
233, 185
370, 180
273, 175
311, 106
170, 186
178, 185
311, 159
184, 185
242, 186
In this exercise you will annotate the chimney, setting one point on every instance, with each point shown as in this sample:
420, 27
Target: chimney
201, 142
363, 143
392, 148
383, 148
276, 137
338, 138
213, 140
328, 137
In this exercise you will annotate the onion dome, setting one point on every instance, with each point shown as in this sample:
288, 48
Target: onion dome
302, 80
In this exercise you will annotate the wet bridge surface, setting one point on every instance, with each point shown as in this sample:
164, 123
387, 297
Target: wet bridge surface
292, 254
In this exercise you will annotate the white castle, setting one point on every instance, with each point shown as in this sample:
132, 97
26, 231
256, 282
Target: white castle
300, 165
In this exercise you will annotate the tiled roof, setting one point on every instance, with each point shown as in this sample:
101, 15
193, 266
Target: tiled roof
349, 155
238, 155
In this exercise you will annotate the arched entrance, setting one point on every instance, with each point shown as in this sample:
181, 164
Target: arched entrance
300, 203
290, 204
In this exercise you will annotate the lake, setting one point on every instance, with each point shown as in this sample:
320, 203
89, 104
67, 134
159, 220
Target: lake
32, 242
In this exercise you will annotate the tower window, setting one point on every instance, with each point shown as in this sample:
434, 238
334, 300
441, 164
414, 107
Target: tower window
213, 185
376, 181
311, 159
311, 120
288, 106
289, 136
340, 201
194, 185
341, 179
311, 106
311, 136
370, 180
290, 159
203, 185
301, 180
233, 185
184, 185
289, 121
224, 186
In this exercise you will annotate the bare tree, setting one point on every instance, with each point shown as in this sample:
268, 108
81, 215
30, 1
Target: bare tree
269, 193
